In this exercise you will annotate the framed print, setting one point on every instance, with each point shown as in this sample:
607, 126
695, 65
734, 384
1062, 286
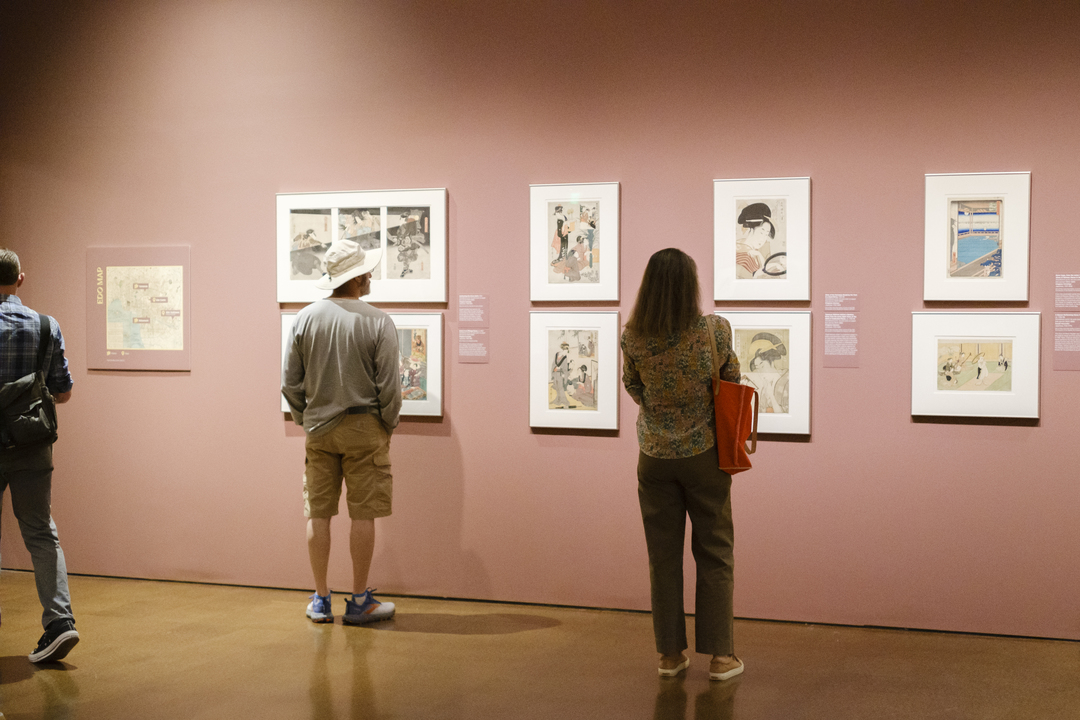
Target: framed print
420, 371
408, 226
774, 358
287, 319
977, 228
975, 364
138, 310
420, 368
574, 370
761, 239
574, 241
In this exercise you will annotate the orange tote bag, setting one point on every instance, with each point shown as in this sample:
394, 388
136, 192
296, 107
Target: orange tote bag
736, 409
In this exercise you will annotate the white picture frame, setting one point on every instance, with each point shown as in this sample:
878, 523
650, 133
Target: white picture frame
947, 378
965, 215
784, 392
430, 366
591, 397
432, 323
574, 257
750, 215
409, 226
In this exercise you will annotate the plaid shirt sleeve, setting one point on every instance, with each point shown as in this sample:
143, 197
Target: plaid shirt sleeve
19, 342
58, 378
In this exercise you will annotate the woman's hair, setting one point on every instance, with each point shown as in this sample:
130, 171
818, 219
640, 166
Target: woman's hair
669, 300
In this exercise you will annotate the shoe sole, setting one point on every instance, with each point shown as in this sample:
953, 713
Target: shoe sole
321, 618
672, 672
364, 619
727, 675
57, 649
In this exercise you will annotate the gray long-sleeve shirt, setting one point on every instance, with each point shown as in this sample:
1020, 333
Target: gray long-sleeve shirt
344, 353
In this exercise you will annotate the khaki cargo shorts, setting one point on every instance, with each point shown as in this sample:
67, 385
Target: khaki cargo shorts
357, 451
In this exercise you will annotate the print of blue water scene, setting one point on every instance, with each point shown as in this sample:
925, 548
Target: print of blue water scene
972, 247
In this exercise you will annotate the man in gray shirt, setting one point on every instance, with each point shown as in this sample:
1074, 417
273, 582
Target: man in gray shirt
342, 382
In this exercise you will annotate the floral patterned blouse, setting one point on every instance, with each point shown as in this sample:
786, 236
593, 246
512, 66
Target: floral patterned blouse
671, 379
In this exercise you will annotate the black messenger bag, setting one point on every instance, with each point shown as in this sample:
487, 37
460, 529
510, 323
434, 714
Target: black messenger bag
27, 408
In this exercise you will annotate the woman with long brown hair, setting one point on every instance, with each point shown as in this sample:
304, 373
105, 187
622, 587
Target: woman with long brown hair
667, 369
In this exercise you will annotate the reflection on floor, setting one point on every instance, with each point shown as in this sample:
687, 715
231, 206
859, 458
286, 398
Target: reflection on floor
171, 650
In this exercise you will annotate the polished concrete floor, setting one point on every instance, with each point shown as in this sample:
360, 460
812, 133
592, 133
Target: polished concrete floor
171, 650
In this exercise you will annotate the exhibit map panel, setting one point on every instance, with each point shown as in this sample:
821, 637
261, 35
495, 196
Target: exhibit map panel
138, 308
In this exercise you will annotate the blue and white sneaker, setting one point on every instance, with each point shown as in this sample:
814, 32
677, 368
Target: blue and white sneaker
364, 608
319, 609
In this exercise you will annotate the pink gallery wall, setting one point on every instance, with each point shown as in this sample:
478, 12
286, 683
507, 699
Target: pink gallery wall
139, 123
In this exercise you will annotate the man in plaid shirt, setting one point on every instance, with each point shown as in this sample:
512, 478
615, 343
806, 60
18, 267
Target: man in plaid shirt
28, 472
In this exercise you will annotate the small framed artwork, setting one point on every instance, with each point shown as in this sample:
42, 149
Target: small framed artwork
761, 239
977, 229
774, 358
574, 370
287, 319
138, 310
420, 368
975, 364
574, 242
407, 226
420, 342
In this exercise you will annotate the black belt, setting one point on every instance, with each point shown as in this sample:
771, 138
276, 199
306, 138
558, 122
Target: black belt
362, 410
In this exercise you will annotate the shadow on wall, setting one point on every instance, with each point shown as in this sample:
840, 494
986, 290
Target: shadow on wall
429, 493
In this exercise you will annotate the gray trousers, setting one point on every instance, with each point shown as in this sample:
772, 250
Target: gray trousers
29, 475
668, 491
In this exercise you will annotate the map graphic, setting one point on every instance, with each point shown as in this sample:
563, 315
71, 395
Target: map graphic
144, 307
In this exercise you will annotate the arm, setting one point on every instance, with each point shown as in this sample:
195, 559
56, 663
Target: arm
292, 381
388, 375
729, 362
57, 376
631, 378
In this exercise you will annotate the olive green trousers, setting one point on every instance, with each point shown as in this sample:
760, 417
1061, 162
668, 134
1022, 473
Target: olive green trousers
669, 490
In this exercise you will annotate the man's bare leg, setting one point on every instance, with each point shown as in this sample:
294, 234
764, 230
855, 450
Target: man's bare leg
362, 547
318, 543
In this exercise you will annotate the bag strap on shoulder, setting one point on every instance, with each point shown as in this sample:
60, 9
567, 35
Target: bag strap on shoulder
45, 332
710, 321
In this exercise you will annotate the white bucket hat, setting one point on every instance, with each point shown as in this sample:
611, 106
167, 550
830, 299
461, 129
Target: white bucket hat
345, 260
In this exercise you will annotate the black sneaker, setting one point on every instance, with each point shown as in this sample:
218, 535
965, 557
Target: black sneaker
57, 641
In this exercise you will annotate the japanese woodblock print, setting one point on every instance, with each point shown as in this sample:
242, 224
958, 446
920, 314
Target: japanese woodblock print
420, 368
975, 365
574, 370
412, 343
575, 241
408, 243
761, 238
408, 228
975, 238
310, 235
764, 361
361, 225
574, 366
773, 349
977, 232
